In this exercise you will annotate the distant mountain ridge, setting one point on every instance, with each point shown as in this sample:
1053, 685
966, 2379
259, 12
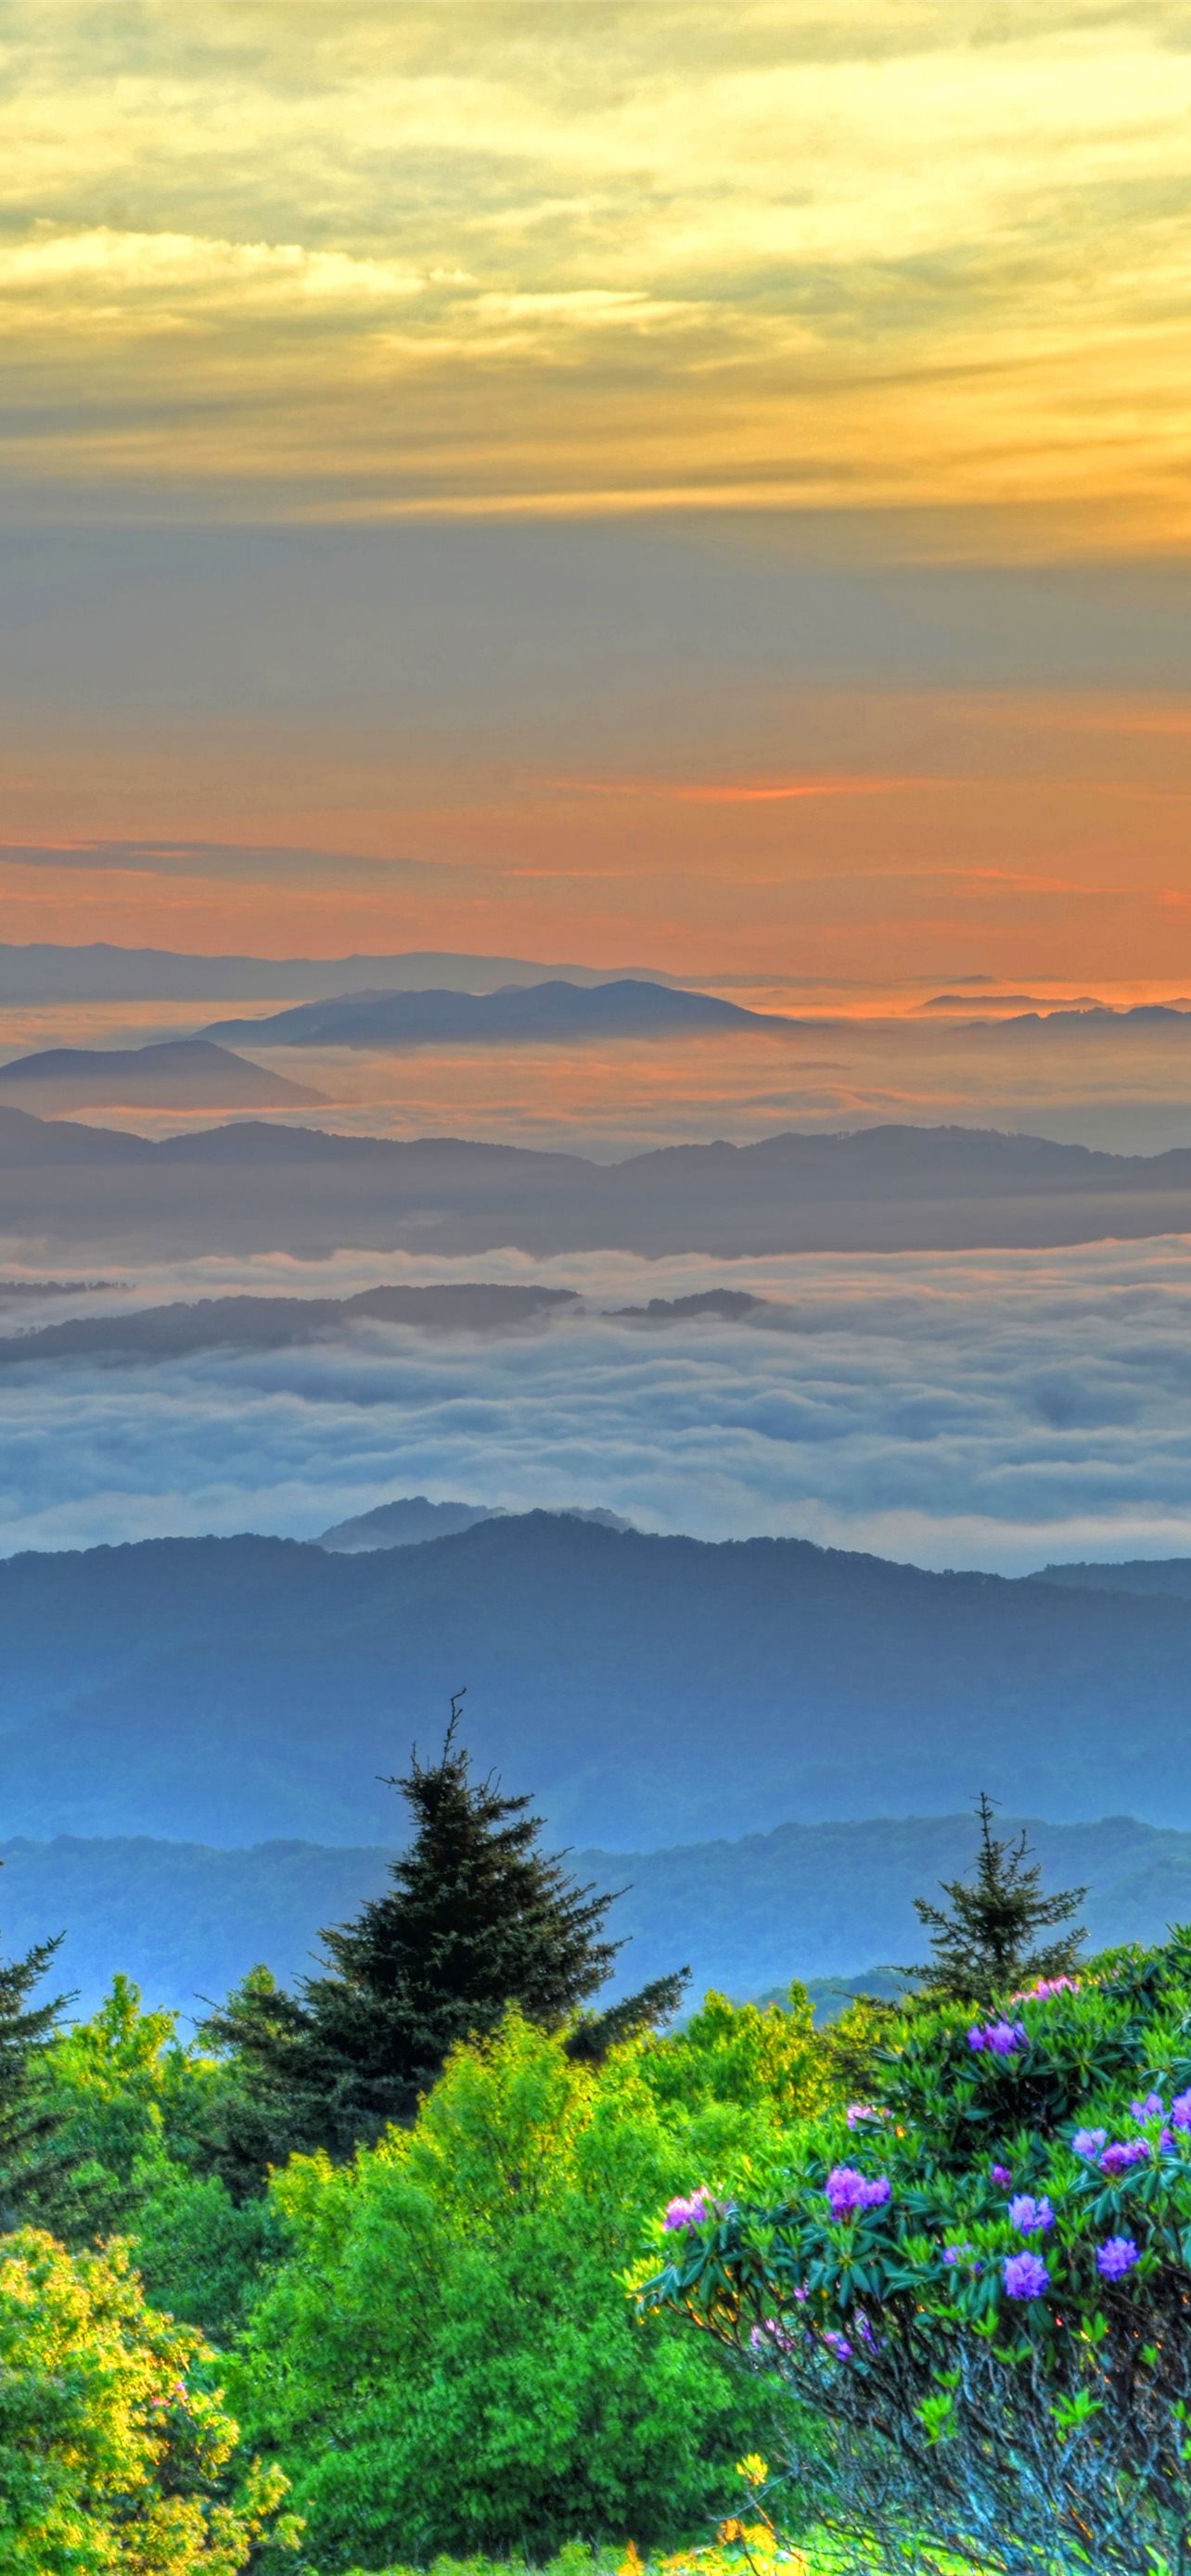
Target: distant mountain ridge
186, 1920
555, 1013
410, 1520
250, 1323
254, 1186
101, 972
1144, 1574
1159, 1019
651, 1690
179, 1073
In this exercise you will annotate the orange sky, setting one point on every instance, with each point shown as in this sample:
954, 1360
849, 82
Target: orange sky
601, 484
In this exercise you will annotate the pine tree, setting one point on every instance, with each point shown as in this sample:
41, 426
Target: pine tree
984, 1948
28, 2116
477, 1918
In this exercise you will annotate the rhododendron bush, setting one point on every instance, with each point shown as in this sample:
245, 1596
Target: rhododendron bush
979, 2283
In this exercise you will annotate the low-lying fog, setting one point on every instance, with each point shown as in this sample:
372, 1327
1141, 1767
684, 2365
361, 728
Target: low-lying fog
967, 1410
1127, 1089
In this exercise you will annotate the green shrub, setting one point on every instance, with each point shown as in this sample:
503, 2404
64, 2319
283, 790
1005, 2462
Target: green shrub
983, 2284
448, 2359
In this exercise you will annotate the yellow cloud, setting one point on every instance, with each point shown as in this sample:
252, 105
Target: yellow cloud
291, 258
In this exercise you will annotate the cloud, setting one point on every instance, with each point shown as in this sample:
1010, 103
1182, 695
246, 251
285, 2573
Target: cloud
645, 259
926, 1408
239, 862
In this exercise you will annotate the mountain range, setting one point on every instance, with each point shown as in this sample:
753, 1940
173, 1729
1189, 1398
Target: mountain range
649, 1690
181, 1073
101, 972
251, 1323
256, 1187
557, 1014
1094, 1020
409, 1520
187, 1920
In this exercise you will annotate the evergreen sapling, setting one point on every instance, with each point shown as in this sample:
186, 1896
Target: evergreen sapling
986, 1946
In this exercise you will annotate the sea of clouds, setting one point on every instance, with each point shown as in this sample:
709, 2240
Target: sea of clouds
967, 1410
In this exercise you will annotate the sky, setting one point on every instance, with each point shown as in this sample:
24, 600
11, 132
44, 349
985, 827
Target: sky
640, 484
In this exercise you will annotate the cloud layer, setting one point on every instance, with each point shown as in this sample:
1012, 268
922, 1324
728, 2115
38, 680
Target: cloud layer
486, 259
974, 1411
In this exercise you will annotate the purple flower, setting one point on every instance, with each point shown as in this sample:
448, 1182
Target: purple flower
772, 2336
1025, 2276
1116, 2258
1002, 2037
858, 2112
1046, 1987
1088, 2142
1151, 2109
1000, 2174
1180, 2110
957, 2253
1030, 2217
847, 2191
837, 2343
688, 2213
1117, 2158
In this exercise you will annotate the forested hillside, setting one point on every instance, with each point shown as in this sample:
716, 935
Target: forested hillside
809, 1901
226, 1690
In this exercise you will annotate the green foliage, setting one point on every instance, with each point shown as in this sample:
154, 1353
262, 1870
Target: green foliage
477, 1918
988, 1942
448, 2360
201, 2254
27, 2118
114, 2452
135, 2112
1037, 2421
116, 2086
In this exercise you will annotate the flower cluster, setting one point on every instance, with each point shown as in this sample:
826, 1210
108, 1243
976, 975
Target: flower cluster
859, 2112
1122, 2153
1001, 2175
691, 2212
1025, 2276
1116, 2258
849, 2191
1002, 2037
1115, 2156
1045, 1988
1029, 2216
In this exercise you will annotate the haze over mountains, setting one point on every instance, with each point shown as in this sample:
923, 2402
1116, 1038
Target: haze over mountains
297, 1189
1144, 1019
557, 1014
651, 1690
102, 972
410, 1520
182, 1073
253, 1323
187, 1920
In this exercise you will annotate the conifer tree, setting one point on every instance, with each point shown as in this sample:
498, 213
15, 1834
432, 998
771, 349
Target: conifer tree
28, 2116
477, 1918
985, 1947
